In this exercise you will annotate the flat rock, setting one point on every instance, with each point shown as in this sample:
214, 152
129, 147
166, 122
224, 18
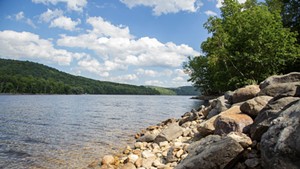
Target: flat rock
170, 133
241, 138
280, 146
281, 90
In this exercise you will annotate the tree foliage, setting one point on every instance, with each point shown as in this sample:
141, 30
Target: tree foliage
248, 44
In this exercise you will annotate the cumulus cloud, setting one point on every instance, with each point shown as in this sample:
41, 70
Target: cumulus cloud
50, 15
75, 5
119, 49
166, 6
28, 45
210, 13
125, 78
219, 3
154, 83
65, 23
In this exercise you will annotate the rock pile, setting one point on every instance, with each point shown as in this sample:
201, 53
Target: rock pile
251, 128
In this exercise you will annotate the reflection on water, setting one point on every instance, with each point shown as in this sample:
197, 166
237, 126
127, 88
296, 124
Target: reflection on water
61, 131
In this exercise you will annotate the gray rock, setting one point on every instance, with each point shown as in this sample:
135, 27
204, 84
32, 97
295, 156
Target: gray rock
277, 79
281, 90
147, 138
170, 133
218, 105
228, 96
267, 114
280, 146
218, 153
252, 163
253, 106
190, 116
245, 93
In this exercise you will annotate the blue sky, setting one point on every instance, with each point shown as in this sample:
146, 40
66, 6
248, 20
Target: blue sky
140, 42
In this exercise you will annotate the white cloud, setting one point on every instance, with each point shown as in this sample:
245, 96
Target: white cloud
28, 45
92, 65
21, 17
219, 3
65, 23
166, 6
115, 45
124, 78
50, 15
154, 83
75, 5
210, 13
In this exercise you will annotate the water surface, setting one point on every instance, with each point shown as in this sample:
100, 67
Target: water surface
67, 131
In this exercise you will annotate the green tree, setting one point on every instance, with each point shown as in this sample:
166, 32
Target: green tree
248, 43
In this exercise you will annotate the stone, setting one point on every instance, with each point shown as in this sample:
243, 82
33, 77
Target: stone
216, 153
245, 93
164, 144
267, 114
179, 153
241, 138
189, 117
128, 166
280, 146
147, 163
253, 106
147, 138
138, 145
170, 133
147, 154
171, 155
252, 163
157, 163
107, 166
227, 123
228, 96
219, 104
132, 158
277, 79
282, 90
207, 127
139, 162
108, 159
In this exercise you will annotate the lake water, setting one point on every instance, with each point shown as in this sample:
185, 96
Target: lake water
66, 131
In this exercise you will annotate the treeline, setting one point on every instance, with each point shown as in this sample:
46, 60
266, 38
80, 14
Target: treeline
33, 78
249, 42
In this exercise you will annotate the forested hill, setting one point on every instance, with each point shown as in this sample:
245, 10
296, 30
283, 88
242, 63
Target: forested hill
33, 78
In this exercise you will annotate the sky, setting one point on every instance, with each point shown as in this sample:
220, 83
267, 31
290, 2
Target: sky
139, 42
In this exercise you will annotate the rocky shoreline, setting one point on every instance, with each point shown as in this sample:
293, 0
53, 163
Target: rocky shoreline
254, 127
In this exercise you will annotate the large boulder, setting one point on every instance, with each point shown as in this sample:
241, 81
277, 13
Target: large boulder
277, 79
225, 124
207, 127
280, 145
170, 133
245, 93
253, 106
211, 153
281, 90
271, 111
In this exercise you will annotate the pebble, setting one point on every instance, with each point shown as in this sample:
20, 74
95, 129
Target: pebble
108, 159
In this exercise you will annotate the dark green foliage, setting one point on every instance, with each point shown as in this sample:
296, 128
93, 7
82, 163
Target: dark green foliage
248, 44
33, 78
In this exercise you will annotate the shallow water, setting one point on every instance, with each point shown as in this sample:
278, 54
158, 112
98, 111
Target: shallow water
67, 131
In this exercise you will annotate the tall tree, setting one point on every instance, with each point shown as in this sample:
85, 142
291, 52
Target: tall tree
248, 43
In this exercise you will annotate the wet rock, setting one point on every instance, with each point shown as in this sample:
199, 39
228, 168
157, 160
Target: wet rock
241, 138
267, 114
245, 93
277, 79
227, 123
280, 146
253, 106
170, 133
108, 159
218, 153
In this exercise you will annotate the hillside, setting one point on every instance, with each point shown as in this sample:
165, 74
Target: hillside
34, 78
